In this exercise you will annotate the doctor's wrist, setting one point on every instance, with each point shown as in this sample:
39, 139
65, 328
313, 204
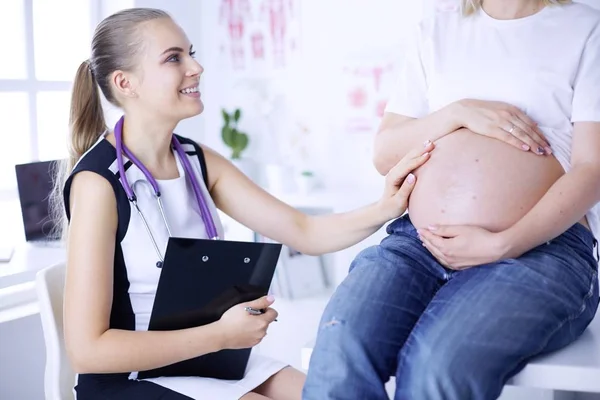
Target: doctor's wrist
220, 336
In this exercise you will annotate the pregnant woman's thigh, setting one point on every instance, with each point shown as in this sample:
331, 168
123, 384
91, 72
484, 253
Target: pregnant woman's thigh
475, 180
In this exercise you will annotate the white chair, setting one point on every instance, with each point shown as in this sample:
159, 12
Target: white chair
59, 378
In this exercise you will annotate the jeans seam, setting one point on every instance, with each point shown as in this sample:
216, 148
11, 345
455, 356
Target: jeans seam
564, 321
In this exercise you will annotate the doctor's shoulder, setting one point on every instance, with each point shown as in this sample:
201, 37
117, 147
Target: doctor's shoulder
216, 165
89, 190
91, 184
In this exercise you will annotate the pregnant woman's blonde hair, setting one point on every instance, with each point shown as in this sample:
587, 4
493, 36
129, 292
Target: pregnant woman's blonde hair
470, 6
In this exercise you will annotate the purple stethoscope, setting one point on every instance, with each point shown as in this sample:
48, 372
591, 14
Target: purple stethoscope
209, 223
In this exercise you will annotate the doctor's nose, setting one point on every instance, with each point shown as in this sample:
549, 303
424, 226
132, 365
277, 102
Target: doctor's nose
195, 68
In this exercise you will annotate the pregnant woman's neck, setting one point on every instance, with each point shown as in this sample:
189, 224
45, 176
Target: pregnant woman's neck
511, 9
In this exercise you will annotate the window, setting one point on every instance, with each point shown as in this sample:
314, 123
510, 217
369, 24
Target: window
15, 149
43, 46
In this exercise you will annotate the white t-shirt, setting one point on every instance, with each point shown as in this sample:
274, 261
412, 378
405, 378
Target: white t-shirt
547, 64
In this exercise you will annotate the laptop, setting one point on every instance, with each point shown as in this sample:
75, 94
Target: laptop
34, 183
199, 281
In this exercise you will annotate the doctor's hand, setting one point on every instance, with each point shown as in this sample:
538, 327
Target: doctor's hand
399, 182
241, 330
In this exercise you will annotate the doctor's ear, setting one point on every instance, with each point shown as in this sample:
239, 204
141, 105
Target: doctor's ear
123, 84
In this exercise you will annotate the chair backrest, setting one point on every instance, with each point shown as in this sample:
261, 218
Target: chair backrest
59, 377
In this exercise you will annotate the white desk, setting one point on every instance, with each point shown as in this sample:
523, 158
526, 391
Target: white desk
26, 261
18, 297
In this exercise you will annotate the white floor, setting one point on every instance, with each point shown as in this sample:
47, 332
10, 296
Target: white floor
296, 325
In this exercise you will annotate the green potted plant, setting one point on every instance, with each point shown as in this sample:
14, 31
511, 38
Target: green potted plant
233, 138
237, 142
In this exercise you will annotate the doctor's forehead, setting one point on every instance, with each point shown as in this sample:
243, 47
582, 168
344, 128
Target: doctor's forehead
161, 35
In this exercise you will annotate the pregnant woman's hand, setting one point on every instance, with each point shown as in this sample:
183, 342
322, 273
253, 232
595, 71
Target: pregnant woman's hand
504, 122
399, 182
459, 246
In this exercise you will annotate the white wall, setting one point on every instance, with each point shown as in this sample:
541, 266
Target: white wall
336, 39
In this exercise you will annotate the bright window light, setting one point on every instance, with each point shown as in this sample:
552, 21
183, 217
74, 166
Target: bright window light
62, 35
12, 40
14, 141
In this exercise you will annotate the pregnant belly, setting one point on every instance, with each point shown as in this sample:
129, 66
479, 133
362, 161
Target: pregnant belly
474, 180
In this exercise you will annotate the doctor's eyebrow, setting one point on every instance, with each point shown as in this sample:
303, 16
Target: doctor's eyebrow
177, 49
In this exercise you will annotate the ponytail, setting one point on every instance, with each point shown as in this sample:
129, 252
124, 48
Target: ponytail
116, 44
86, 121
86, 124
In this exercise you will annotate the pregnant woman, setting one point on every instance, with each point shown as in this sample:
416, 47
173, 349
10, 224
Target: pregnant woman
495, 261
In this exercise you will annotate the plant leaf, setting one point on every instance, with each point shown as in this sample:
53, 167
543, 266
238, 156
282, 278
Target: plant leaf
227, 134
242, 141
226, 116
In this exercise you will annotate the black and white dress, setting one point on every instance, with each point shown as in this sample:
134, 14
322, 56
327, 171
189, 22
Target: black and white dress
136, 275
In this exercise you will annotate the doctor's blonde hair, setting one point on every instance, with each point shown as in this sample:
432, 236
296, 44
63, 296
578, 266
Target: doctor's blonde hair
115, 46
470, 6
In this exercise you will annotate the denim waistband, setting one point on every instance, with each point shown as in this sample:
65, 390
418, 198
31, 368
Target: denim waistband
579, 231
402, 225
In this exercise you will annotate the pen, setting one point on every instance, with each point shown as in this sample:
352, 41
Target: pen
255, 311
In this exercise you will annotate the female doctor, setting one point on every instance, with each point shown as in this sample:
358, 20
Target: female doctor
143, 62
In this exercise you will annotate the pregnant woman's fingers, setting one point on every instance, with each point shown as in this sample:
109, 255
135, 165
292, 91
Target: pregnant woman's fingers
538, 144
527, 139
517, 112
435, 251
508, 137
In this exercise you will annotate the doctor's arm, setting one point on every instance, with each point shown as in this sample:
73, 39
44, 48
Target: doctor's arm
92, 346
253, 207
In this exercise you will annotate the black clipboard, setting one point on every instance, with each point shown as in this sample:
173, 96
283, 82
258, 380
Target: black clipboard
199, 281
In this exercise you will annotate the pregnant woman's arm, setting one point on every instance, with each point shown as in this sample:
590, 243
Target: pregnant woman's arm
398, 134
567, 201
576, 192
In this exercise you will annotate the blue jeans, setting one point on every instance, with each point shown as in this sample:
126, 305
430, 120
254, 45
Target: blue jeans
451, 335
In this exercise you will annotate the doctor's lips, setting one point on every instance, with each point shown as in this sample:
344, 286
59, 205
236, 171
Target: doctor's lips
191, 90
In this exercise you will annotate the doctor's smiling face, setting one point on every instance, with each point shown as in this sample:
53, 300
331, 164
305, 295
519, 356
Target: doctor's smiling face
166, 78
